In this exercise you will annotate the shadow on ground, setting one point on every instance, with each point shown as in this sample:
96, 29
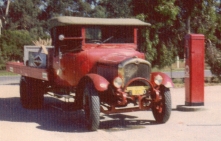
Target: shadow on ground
123, 122
52, 119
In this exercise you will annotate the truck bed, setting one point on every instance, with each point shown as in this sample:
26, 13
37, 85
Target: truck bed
20, 68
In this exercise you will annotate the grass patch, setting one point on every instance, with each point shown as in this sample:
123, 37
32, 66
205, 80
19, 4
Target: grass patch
7, 73
178, 83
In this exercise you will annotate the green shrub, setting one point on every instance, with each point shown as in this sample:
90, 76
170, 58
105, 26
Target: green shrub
12, 45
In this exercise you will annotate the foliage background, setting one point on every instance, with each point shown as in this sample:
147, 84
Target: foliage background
26, 20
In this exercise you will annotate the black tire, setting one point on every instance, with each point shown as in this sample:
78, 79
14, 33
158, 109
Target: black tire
162, 109
31, 93
91, 106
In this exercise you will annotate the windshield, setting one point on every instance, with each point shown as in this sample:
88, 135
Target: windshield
109, 35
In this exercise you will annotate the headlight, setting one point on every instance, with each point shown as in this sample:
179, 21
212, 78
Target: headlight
158, 79
117, 82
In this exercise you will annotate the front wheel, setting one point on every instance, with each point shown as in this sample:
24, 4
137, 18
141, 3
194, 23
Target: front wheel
31, 93
162, 109
91, 105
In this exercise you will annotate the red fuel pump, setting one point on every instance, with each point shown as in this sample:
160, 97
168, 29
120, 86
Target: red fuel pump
194, 70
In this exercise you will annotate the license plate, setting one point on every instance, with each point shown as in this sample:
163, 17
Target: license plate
137, 90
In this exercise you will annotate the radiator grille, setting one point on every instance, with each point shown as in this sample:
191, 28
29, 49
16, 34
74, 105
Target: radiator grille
128, 69
133, 70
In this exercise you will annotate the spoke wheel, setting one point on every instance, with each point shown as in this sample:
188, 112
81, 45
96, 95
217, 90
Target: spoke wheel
162, 109
91, 106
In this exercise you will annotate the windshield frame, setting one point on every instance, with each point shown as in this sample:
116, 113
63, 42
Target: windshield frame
105, 44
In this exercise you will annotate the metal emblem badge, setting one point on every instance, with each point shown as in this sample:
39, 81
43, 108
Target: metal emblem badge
37, 61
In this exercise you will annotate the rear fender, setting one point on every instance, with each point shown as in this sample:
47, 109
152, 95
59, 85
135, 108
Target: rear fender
100, 83
166, 80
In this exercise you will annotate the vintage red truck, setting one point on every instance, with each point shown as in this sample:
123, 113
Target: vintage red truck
97, 62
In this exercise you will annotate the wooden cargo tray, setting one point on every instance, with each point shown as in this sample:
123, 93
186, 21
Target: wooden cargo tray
20, 68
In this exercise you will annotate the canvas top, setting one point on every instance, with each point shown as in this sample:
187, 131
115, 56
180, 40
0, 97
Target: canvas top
70, 20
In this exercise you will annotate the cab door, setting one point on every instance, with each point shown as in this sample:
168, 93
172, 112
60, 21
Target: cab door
68, 42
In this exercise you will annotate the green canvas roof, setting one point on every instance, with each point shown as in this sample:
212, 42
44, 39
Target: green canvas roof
69, 20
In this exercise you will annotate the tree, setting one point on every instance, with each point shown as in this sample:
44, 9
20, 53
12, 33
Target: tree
116, 8
91, 8
217, 33
213, 46
171, 20
53, 8
203, 17
23, 14
162, 14
199, 15
4, 13
12, 45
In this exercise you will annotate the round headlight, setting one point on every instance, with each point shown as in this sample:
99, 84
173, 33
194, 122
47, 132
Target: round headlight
158, 79
117, 82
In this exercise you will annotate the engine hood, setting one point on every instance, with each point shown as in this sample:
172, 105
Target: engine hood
113, 59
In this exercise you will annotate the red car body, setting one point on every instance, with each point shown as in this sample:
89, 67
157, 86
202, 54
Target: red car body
99, 63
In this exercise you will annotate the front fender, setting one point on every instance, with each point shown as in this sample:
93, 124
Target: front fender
167, 81
100, 83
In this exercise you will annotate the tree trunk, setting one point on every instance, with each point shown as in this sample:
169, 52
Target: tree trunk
7, 8
188, 25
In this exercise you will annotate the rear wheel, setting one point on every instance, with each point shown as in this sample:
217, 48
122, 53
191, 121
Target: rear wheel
31, 93
162, 109
91, 106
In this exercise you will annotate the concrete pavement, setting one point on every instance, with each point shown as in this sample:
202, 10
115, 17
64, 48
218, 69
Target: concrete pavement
4, 80
51, 124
